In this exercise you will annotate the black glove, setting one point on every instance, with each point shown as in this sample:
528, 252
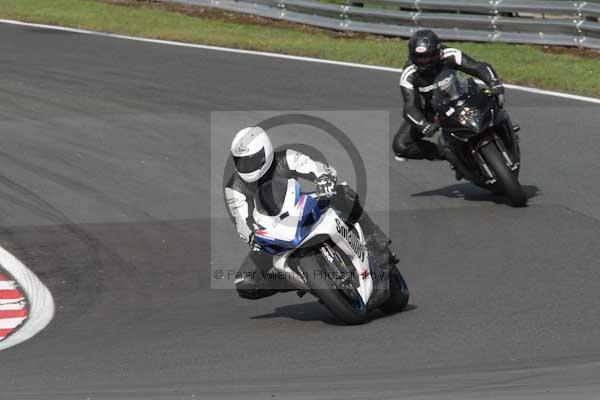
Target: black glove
252, 243
430, 129
500, 99
496, 87
325, 184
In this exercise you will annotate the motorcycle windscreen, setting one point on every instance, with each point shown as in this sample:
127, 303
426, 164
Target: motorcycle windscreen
460, 103
450, 88
270, 197
283, 214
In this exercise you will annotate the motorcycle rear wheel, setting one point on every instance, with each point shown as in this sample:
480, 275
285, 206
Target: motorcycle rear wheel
399, 294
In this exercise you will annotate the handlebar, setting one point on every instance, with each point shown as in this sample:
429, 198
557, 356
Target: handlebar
319, 196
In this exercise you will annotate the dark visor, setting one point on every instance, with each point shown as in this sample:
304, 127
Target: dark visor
247, 164
426, 59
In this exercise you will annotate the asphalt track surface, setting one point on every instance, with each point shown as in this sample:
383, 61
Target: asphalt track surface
105, 188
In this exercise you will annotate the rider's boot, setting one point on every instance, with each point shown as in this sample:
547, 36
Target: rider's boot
449, 156
346, 201
255, 278
458, 175
377, 241
429, 154
278, 284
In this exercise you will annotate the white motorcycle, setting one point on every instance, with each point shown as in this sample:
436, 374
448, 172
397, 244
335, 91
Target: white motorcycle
318, 252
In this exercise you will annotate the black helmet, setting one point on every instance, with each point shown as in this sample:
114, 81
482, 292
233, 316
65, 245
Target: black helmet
425, 50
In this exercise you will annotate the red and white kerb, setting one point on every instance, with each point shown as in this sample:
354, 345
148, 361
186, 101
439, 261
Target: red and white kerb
13, 307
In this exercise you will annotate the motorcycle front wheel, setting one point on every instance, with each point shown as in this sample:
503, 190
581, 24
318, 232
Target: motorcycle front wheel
507, 180
322, 280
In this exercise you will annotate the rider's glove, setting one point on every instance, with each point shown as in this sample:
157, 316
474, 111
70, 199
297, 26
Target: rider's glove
325, 184
430, 129
500, 99
252, 243
497, 89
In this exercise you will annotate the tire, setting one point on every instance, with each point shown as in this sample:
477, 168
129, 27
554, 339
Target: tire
324, 288
398, 293
507, 180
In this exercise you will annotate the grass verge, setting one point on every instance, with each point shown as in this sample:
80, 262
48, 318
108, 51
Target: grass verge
565, 71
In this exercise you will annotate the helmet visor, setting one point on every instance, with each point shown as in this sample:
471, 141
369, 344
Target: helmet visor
426, 60
251, 163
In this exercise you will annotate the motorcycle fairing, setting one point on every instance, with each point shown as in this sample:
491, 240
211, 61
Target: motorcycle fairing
288, 229
331, 225
301, 220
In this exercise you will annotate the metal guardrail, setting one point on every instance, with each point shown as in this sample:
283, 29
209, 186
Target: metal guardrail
548, 22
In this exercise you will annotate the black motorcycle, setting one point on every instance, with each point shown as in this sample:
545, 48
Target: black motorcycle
478, 136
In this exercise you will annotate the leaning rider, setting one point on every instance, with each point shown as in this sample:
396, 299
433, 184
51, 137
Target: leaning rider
256, 163
427, 58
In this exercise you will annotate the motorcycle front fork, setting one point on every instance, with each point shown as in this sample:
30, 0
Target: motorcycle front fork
490, 179
494, 141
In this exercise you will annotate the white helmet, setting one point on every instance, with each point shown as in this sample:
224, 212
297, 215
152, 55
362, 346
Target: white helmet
252, 153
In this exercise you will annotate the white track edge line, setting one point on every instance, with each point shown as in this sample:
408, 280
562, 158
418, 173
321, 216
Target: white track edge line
276, 55
41, 303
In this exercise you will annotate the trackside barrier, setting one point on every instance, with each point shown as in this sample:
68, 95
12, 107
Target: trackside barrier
546, 22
